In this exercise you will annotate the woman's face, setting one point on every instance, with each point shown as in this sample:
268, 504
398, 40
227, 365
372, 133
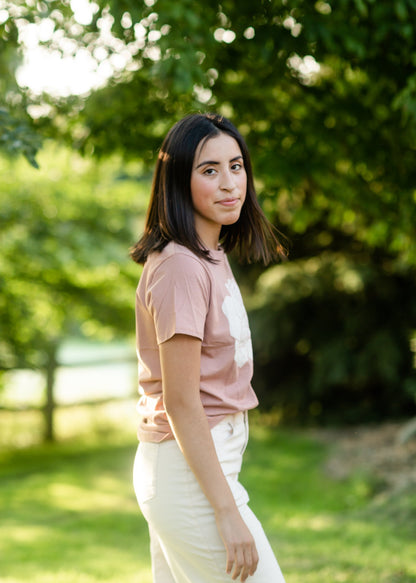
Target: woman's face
218, 186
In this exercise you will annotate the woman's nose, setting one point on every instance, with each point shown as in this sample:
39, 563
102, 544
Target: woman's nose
227, 181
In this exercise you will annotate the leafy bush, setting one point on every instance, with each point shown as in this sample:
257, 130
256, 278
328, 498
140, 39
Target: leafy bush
332, 340
18, 137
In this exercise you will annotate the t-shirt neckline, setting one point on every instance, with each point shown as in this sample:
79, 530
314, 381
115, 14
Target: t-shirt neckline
217, 253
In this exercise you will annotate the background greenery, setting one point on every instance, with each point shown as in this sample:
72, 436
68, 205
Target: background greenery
325, 95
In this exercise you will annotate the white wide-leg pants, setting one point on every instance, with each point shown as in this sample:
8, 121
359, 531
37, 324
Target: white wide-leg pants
184, 540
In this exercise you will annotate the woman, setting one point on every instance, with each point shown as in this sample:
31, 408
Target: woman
195, 358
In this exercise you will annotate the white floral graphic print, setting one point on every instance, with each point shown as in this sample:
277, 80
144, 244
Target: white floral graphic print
233, 308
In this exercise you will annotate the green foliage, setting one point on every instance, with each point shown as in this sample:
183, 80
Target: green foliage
18, 137
325, 94
65, 233
331, 343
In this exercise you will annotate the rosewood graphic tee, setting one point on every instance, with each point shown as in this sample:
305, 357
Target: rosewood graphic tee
180, 293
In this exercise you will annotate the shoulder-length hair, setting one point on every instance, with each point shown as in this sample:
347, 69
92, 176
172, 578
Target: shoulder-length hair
170, 216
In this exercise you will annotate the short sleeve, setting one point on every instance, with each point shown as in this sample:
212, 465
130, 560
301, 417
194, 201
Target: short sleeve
177, 297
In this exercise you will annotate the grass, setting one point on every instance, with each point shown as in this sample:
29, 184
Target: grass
69, 515
325, 530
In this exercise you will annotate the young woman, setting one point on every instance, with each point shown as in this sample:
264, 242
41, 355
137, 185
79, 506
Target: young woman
195, 358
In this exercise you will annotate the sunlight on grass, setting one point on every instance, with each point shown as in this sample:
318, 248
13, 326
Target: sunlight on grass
24, 534
116, 420
324, 530
77, 499
315, 523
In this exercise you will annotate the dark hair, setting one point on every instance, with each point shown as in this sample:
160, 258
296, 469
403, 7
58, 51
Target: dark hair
170, 216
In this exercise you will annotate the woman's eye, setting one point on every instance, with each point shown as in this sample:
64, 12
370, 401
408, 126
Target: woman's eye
237, 166
209, 171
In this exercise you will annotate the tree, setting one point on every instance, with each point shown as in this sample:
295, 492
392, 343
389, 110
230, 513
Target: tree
64, 264
17, 135
324, 93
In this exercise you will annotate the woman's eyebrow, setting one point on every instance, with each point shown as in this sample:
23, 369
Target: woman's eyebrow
212, 162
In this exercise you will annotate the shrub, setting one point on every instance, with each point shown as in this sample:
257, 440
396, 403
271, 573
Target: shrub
331, 340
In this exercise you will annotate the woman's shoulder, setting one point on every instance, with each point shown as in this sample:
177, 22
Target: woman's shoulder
178, 259
176, 268
176, 254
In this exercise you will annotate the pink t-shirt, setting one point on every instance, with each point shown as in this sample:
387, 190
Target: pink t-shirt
180, 293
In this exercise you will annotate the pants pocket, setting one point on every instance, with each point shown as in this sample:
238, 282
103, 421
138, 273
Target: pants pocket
246, 433
145, 472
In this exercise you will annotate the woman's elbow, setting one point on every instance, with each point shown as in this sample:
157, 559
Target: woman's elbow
177, 405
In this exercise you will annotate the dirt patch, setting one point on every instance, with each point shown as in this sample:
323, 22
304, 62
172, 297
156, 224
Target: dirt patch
378, 450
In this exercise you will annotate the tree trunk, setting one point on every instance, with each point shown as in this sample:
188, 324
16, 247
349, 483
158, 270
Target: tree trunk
49, 408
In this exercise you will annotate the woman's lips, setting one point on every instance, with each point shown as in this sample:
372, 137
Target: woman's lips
228, 201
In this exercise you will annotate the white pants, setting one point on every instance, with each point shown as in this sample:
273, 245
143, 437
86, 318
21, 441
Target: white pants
184, 541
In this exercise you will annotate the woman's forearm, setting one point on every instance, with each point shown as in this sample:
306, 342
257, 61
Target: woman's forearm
180, 363
192, 432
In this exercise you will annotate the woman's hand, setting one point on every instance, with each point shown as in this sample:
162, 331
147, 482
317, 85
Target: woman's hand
242, 556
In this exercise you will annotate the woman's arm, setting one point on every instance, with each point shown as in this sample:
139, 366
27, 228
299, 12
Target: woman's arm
180, 361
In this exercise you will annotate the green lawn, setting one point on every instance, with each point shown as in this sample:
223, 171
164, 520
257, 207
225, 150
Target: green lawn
69, 515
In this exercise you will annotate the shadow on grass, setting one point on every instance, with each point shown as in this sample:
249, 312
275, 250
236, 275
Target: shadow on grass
69, 513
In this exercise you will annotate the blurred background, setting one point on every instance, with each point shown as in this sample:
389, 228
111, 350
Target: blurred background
324, 94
